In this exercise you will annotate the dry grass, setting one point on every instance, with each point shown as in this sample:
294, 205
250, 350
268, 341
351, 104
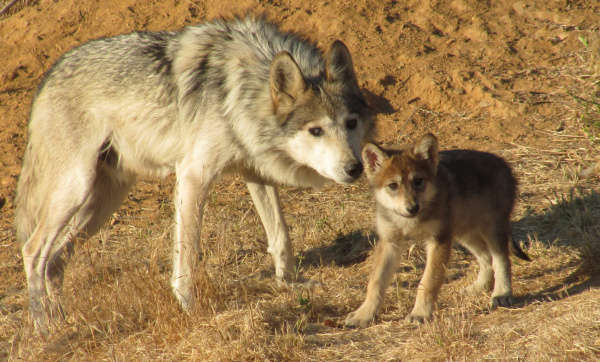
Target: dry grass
119, 304
120, 307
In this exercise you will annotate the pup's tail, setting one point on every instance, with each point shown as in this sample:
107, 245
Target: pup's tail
516, 249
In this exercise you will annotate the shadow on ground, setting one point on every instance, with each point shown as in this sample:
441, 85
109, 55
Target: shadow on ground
574, 222
345, 250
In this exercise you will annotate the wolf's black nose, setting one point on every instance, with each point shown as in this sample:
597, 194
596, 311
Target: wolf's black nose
413, 209
354, 169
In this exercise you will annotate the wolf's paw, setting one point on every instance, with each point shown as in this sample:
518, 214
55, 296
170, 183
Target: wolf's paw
358, 319
504, 300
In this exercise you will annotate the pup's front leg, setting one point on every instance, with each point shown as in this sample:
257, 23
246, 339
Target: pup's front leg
438, 258
384, 266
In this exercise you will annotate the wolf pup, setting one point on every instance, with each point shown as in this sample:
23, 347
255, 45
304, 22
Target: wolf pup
229, 95
460, 195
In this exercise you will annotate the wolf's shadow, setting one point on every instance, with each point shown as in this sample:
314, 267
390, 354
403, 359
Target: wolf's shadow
378, 104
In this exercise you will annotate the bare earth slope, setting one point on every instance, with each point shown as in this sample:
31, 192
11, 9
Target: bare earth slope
501, 76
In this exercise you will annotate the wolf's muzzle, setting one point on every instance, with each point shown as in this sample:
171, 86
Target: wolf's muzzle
354, 170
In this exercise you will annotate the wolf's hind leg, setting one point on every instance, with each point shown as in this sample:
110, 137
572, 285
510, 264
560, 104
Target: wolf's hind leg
107, 193
43, 248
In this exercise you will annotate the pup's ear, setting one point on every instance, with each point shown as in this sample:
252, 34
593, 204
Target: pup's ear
427, 148
339, 64
287, 82
373, 157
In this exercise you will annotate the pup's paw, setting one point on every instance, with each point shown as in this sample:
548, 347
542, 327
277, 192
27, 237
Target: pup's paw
363, 316
416, 318
358, 319
421, 313
502, 300
477, 287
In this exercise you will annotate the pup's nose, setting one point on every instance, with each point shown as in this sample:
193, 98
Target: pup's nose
413, 209
354, 169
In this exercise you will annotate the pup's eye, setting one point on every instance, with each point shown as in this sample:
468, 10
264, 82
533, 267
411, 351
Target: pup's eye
393, 186
316, 131
351, 123
417, 181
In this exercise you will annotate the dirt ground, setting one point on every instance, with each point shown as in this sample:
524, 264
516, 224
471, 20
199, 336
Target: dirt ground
501, 76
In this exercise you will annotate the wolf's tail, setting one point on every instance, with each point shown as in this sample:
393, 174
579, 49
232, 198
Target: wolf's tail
516, 249
30, 194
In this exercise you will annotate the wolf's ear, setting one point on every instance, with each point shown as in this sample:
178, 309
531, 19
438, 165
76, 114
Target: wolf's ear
339, 64
287, 82
373, 157
427, 148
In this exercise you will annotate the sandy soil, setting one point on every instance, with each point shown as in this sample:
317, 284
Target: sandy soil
491, 75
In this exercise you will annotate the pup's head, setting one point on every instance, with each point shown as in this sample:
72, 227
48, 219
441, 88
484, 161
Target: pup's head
403, 180
324, 118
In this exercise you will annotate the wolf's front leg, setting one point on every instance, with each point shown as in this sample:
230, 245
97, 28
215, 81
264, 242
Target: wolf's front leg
266, 201
438, 258
191, 192
384, 266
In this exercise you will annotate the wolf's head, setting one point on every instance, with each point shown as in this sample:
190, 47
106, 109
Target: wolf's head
325, 119
403, 180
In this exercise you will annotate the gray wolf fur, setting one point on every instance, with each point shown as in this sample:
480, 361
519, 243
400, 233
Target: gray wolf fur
227, 95
460, 195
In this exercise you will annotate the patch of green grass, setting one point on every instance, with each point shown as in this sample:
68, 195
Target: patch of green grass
590, 112
589, 98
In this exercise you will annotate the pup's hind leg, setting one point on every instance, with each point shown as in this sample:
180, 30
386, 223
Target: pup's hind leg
266, 201
438, 258
498, 241
477, 245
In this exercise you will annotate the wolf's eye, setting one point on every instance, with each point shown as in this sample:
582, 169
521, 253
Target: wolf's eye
351, 123
393, 186
417, 181
316, 131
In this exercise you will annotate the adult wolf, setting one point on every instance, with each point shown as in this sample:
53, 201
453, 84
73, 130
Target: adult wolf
227, 95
